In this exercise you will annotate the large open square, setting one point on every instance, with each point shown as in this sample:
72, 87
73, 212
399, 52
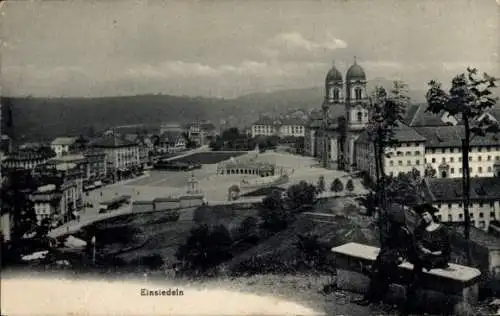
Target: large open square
215, 187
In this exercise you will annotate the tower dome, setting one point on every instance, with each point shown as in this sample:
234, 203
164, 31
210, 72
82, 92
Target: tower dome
333, 75
355, 72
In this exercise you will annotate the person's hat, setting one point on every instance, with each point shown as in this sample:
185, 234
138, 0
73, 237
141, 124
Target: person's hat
425, 207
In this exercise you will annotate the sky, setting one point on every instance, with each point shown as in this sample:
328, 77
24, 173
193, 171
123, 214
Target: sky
228, 48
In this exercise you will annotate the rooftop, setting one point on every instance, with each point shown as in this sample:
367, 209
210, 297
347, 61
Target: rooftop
451, 136
64, 141
112, 141
450, 189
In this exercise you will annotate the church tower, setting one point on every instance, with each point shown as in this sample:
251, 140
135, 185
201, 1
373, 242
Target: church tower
356, 107
356, 97
334, 87
333, 97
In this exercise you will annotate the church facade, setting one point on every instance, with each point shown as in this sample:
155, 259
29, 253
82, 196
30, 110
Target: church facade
331, 136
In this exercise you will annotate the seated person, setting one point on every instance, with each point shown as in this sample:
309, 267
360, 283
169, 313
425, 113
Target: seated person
431, 247
395, 249
432, 241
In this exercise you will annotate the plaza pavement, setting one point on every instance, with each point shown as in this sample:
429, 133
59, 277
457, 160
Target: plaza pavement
157, 183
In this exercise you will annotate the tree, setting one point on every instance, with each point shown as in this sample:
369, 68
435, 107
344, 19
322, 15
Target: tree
370, 203
249, 228
349, 185
386, 113
467, 100
320, 187
273, 214
405, 189
313, 251
205, 248
337, 186
429, 171
300, 195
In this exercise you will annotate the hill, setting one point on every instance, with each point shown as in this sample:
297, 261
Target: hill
38, 119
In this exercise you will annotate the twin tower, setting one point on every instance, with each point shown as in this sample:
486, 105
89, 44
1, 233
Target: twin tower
351, 94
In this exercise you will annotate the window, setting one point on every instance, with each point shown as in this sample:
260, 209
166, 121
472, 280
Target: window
336, 94
443, 150
439, 217
417, 153
481, 215
460, 170
480, 204
492, 215
470, 158
408, 162
449, 205
489, 157
450, 218
433, 151
408, 153
443, 159
489, 169
425, 160
460, 216
391, 174
471, 170
479, 158
452, 170
479, 149
488, 148
439, 206
400, 162
357, 93
433, 159
360, 116
391, 162
497, 158
479, 170
459, 159
451, 159
492, 204
417, 162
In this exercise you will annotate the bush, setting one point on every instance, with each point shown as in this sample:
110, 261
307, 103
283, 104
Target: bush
349, 185
205, 248
337, 186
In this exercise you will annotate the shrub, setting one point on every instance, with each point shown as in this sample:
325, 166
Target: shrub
349, 185
337, 186
205, 248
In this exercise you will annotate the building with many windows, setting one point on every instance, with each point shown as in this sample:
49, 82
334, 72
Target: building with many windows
286, 127
446, 195
121, 155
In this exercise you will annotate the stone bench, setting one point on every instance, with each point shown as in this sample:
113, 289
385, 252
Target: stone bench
456, 285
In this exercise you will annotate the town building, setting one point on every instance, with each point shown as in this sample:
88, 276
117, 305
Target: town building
96, 164
407, 155
170, 127
63, 145
286, 127
446, 195
60, 195
201, 133
24, 159
145, 147
122, 155
172, 141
